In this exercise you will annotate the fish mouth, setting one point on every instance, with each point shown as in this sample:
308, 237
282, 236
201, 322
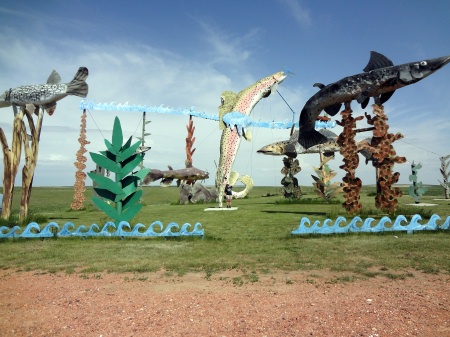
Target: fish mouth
278, 78
439, 62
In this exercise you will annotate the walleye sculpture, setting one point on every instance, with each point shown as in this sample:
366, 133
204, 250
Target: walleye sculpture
328, 148
46, 95
379, 80
242, 102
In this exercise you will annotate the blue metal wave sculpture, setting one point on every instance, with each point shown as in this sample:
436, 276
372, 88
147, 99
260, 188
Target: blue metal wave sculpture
156, 229
369, 225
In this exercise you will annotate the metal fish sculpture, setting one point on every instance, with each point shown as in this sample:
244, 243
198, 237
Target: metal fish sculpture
46, 95
328, 148
242, 102
188, 174
379, 80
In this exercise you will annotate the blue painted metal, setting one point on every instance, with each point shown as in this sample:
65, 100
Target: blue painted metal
156, 229
385, 224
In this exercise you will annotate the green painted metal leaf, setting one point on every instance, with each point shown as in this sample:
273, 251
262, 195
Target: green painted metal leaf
110, 147
106, 163
106, 183
130, 212
142, 173
131, 165
117, 136
125, 154
108, 209
132, 199
106, 194
129, 185
127, 144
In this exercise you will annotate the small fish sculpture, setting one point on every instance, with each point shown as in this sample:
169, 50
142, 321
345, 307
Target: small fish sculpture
188, 175
379, 80
46, 95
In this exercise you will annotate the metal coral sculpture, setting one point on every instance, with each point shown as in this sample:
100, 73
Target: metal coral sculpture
346, 140
290, 189
80, 176
190, 139
322, 183
415, 190
445, 183
123, 192
384, 159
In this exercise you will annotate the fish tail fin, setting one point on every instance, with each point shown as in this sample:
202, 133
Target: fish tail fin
78, 86
310, 138
152, 176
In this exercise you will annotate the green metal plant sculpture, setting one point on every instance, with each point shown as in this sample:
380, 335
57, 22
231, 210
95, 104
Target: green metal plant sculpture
123, 192
416, 190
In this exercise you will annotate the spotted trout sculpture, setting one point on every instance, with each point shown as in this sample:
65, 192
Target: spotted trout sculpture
242, 102
46, 95
379, 80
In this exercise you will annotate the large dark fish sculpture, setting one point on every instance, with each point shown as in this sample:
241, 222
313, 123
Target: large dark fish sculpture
46, 95
379, 80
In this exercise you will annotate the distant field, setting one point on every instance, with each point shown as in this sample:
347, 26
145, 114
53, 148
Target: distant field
254, 239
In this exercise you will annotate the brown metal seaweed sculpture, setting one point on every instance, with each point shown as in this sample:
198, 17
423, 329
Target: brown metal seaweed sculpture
351, 184
384, 159
80, 176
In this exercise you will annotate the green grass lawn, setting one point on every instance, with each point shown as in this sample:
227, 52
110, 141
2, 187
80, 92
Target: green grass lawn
254, 239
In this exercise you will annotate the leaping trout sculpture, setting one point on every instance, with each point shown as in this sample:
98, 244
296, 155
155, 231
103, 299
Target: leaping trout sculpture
379, 80
242, 102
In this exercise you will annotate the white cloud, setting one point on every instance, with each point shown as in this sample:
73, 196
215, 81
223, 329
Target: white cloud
301, 15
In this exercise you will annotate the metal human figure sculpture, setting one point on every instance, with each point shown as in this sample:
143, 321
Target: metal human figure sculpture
379, 80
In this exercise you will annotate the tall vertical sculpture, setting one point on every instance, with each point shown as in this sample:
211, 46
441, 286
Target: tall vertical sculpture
416, 190
346, 140
80, 176
121, 159
384, 159
445, 183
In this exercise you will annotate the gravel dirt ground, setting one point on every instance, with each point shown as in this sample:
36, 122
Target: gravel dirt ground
226, 304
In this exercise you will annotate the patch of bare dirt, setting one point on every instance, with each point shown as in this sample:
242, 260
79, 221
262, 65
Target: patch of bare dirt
226, 304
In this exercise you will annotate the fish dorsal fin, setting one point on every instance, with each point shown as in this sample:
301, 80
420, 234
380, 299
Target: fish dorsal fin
328, 133
333, 109
170, 167
54, 78
319, 85
377, 61
188, 163
294, 136
227, 103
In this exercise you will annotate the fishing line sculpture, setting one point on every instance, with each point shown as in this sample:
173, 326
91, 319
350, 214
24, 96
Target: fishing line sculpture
26, 100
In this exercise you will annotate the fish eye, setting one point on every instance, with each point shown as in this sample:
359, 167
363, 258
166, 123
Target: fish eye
423, 63
222, 101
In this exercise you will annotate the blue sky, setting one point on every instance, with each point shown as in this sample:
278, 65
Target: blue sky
185, 53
